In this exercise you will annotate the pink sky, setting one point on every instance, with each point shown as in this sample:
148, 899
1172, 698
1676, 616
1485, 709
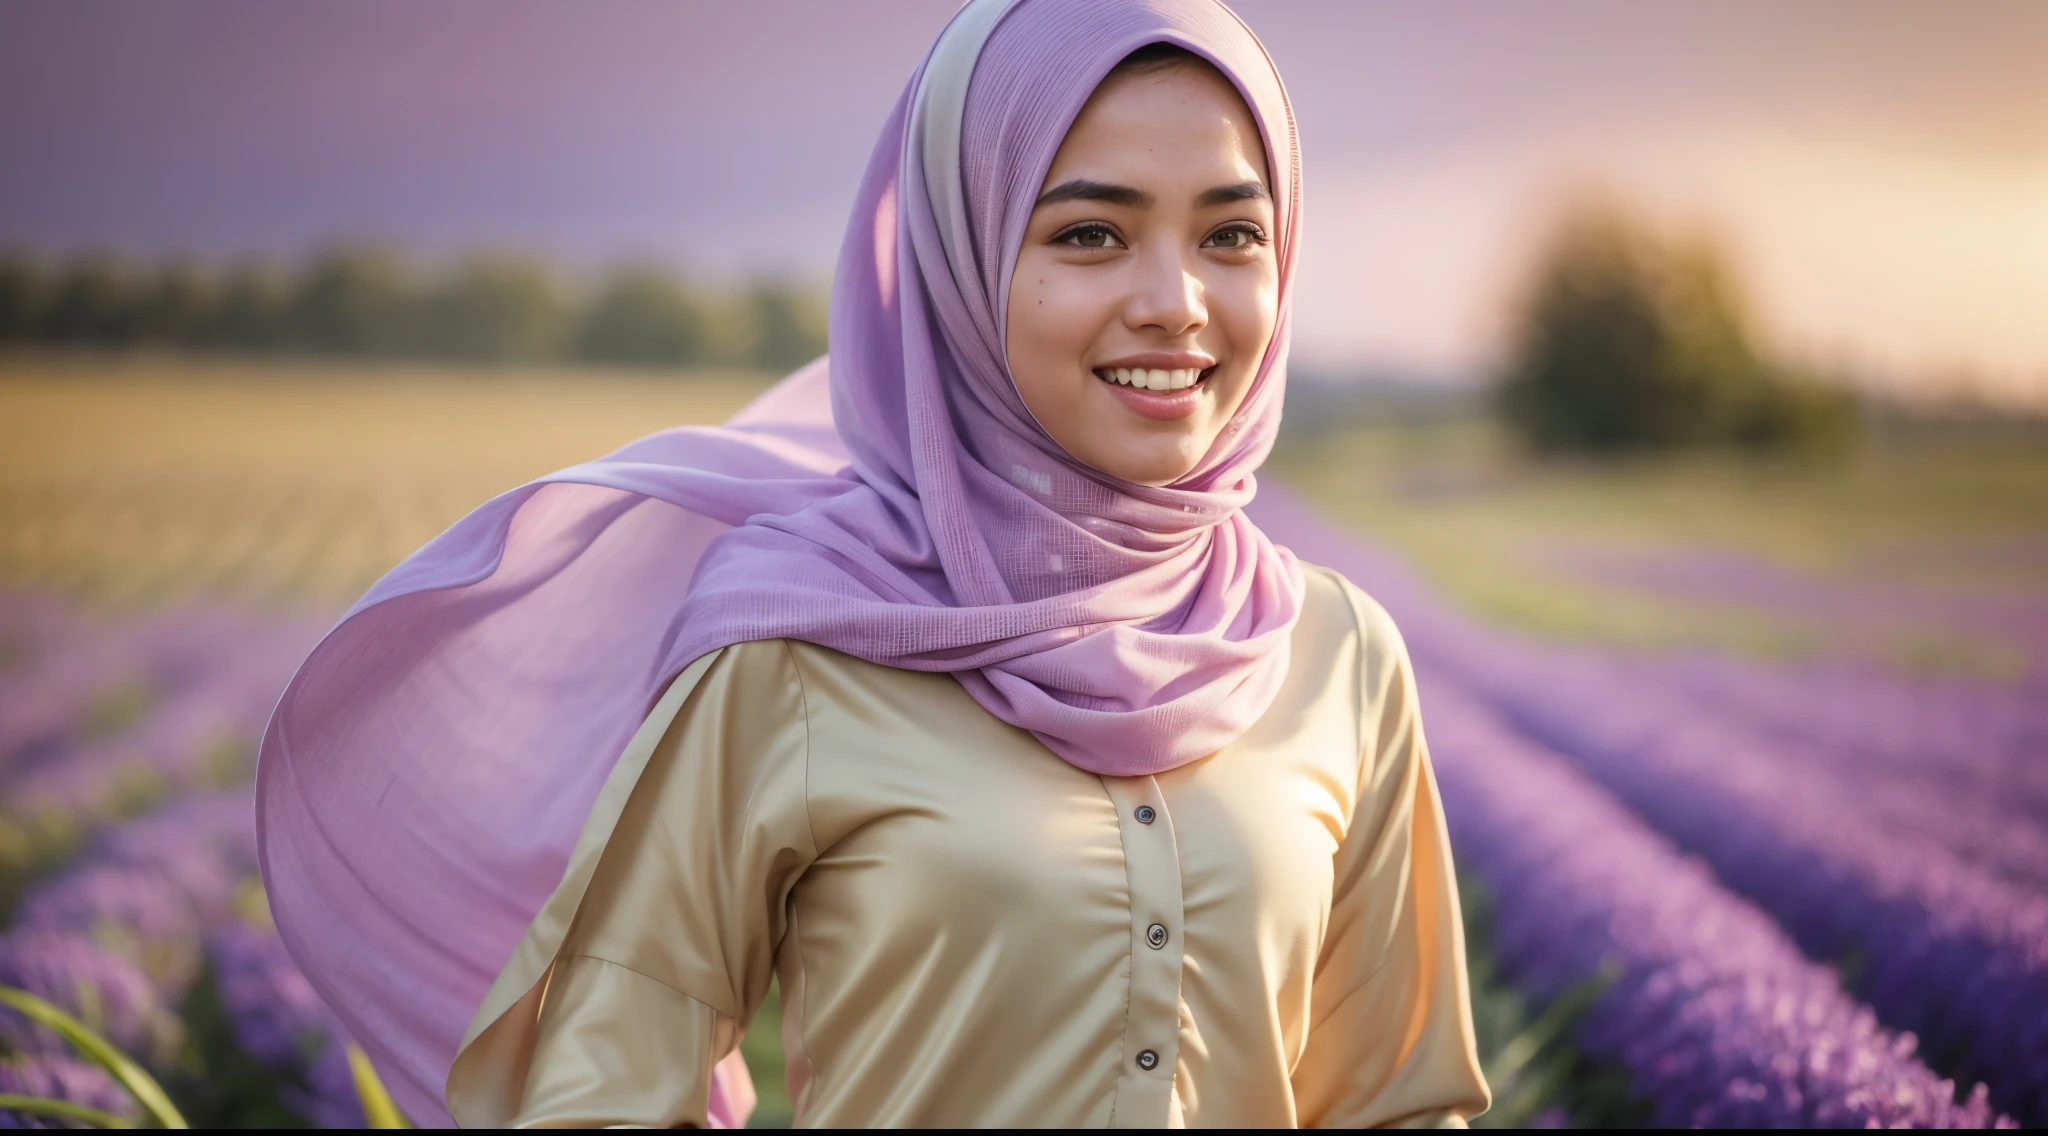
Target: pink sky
1880, 168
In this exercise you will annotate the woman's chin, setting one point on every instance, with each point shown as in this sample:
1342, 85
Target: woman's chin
1104, 431
1146, 462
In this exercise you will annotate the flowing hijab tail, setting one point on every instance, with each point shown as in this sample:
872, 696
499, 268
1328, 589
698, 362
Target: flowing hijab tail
425, 776
421, 786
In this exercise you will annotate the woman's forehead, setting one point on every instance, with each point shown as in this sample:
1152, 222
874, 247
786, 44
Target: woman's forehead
1182, 124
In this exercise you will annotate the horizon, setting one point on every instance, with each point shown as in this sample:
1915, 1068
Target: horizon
1877, 172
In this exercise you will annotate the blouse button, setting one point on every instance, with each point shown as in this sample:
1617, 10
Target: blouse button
1148, 1060
1155, 935
1146, 815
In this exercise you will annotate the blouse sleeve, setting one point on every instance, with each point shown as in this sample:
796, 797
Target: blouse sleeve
672, 944
1390, 1040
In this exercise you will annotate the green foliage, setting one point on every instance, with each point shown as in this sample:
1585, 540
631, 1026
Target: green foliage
219, 1084
175, 304
99, 1051
789, 326
216, 1082
1630, 344
496, 308
365, 301
117, 708
95, 301
62, 1110
645, 317
1526, 1052
24, 290
354, 301
250, 311
761, 1045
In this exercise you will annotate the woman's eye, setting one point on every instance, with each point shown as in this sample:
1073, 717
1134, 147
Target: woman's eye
1090, 237
1235, 237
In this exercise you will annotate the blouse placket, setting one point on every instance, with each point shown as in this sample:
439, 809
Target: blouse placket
1145, 1096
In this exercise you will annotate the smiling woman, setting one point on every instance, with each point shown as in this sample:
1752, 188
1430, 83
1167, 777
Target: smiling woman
1147, 288
949, 686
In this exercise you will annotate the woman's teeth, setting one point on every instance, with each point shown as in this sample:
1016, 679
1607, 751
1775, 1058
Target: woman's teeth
1148, 379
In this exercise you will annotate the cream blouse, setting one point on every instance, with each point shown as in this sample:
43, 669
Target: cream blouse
969, 931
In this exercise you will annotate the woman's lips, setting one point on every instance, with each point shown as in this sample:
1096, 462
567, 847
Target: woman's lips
1164, 394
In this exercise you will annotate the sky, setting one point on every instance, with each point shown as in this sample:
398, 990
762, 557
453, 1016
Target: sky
1877, 169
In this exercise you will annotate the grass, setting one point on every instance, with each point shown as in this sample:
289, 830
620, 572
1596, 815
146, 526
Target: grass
762, 1046
137, 481
140, 480
1937, 511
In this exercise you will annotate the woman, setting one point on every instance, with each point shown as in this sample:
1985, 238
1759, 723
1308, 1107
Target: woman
977, 712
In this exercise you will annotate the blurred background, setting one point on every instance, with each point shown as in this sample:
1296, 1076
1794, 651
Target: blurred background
1676, 373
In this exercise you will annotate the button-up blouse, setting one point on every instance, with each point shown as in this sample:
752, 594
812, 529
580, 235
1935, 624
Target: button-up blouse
970, 931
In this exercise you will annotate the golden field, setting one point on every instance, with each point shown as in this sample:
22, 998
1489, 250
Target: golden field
145, 480
137, 480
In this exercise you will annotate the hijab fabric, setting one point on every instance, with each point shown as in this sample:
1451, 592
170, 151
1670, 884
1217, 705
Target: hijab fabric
425, 775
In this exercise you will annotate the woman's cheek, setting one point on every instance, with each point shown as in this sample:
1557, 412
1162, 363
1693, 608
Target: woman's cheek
1082, 301
1078, 314
1249, 304
1049, 336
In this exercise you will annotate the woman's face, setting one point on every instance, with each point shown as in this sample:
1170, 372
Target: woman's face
1148, 285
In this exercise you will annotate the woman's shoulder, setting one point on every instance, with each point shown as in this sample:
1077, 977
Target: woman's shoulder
755, 664
1344, 631
1333, 608
745, 694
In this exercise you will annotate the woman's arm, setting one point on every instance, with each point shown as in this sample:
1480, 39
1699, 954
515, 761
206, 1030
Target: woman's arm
1390, 1039
673, 943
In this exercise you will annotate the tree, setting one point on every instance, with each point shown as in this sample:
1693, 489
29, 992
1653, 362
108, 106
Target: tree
356, 300
175, 306
641, 315
364, 300
1628, 344
790, 326
252, 310
496, 308
24, 289
95, 303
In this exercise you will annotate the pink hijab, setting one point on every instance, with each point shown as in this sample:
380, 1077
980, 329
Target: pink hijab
426, 773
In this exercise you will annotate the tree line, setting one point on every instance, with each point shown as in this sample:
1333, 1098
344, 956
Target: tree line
1626, 341
1632, 342
367, 301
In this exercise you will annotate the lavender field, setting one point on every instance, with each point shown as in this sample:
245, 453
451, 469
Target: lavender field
1757, 753
1745, 775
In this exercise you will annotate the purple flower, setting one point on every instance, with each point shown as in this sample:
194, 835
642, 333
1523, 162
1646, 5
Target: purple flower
280, 1021
60, 1078
1715, 1013
107, 992
1891, 825
1951, 949
127, 910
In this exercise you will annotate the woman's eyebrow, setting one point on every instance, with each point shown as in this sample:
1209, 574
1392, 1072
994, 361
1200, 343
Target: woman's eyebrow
1225, 194
1081, 189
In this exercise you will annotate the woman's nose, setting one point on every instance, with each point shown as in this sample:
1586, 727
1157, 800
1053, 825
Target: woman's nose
1169, 297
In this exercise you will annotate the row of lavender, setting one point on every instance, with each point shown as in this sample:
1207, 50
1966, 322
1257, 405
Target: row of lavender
1717, 1016
1714, 1013
1922, 893
159, 940
101, 716
1975, 749
1888, 826
154, 930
